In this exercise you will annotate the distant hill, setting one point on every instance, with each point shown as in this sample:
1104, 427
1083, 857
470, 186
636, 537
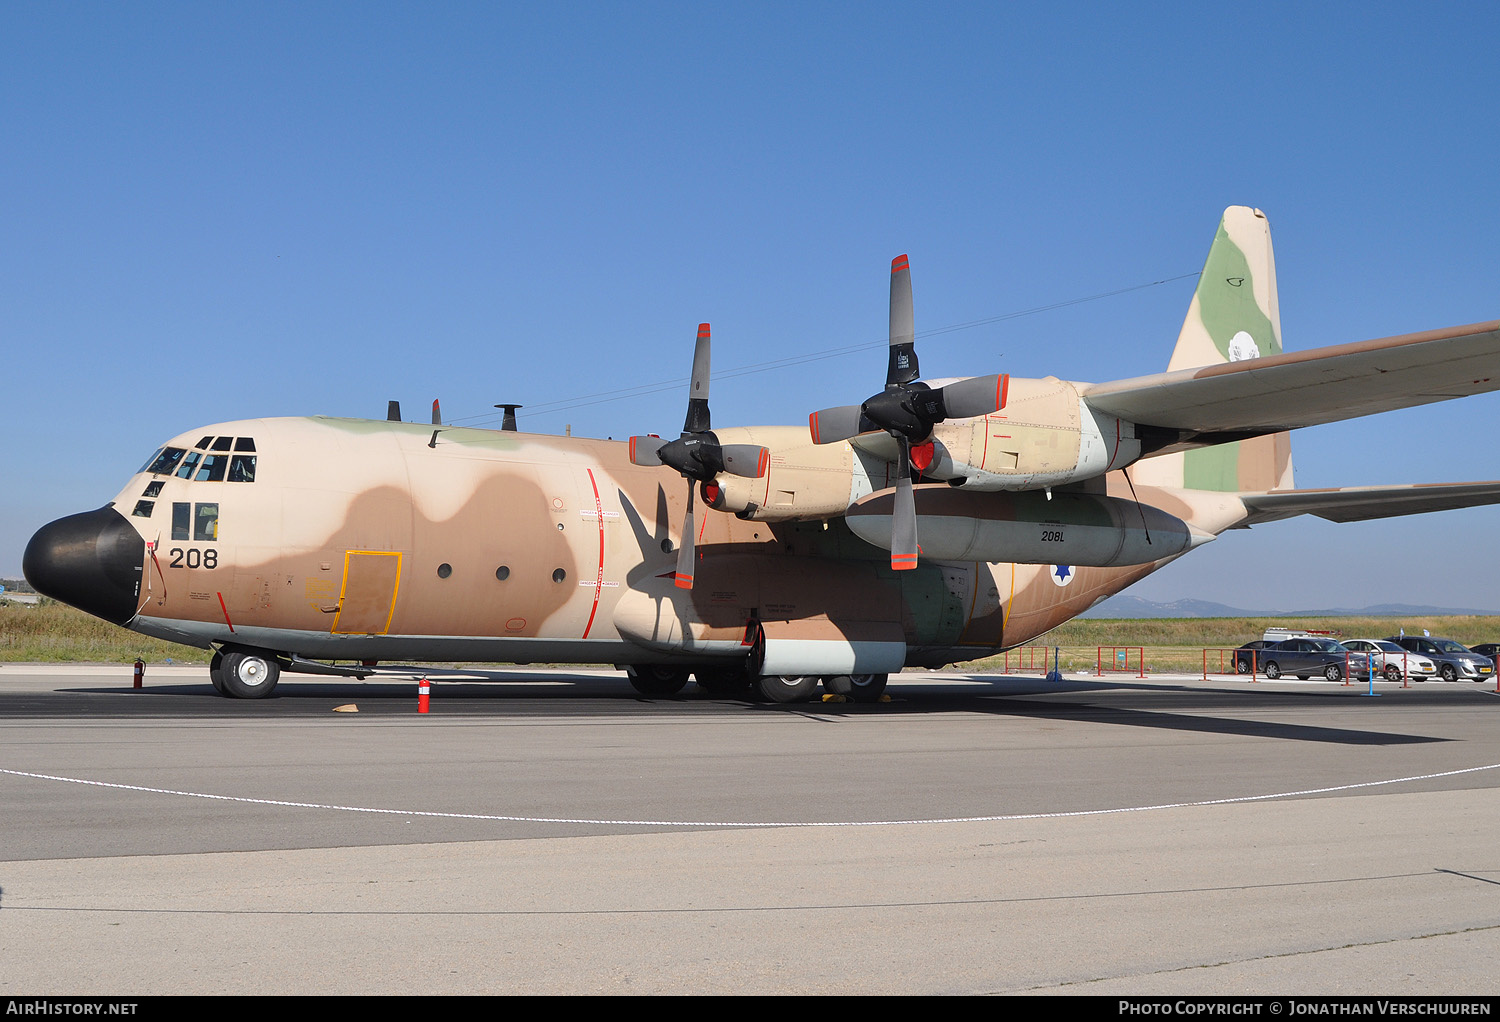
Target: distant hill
1127, 606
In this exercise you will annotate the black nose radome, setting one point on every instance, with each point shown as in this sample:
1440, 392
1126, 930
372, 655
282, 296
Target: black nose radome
92, 561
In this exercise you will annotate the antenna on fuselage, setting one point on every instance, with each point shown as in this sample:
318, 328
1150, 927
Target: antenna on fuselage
437, 415
393, 411
508, 424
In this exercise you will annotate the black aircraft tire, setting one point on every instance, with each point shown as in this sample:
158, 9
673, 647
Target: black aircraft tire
787, 688
249, 675
216, 673
657, 681
723, 681
839, 685
868, 688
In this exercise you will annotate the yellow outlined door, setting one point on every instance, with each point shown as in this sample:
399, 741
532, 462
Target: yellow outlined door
368, 599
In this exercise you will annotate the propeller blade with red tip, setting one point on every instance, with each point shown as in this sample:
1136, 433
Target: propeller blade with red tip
831, 425
684, 578
904, 515
979, 396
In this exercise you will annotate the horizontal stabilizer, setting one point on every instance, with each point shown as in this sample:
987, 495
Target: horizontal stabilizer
1237, 400
1363, 503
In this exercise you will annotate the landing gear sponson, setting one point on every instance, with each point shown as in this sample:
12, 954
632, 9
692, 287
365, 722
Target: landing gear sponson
663, 680
239, 672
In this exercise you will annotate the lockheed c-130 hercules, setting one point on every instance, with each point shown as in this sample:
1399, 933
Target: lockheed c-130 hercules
936, 522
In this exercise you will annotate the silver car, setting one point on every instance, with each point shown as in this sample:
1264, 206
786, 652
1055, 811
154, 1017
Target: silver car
1453, 660
1393, 661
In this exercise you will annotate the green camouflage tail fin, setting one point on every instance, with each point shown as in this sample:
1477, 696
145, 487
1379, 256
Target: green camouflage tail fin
1233, 316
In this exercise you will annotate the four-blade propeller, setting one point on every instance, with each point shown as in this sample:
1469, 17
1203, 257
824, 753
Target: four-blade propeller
697, 455
907, 409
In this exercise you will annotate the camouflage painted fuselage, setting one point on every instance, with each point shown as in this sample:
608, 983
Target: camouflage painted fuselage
365, 539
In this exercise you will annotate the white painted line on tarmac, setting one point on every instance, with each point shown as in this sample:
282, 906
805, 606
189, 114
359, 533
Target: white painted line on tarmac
728, 824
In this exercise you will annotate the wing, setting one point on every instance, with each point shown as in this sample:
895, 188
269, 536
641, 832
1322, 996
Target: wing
1362, 503
1237, 400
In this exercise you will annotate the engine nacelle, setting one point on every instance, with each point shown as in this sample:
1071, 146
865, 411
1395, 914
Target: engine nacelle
1044, 436
803, 480
1084, 529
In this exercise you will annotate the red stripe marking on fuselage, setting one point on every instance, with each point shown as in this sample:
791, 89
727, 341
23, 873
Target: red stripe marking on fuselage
226, 612
599, 578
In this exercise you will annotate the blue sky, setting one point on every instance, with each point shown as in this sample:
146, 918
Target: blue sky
215, 211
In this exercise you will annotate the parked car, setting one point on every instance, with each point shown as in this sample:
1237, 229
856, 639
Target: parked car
1306, 657
1247, 656
1489, 649
1393, 661
1453, 660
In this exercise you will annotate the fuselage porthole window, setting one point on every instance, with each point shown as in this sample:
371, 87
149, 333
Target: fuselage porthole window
502, 572
444, 570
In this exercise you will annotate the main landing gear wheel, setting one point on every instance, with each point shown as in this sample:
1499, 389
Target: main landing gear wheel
862, 688
657, 680
216, 673
787, 688
724, 681
248, 675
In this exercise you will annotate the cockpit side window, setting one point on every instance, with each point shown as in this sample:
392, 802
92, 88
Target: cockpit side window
206, 522
242, 468
186, 471
212, 468
165, 461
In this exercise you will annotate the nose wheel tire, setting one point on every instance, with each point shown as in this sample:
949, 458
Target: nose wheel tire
247, 674
216, 673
